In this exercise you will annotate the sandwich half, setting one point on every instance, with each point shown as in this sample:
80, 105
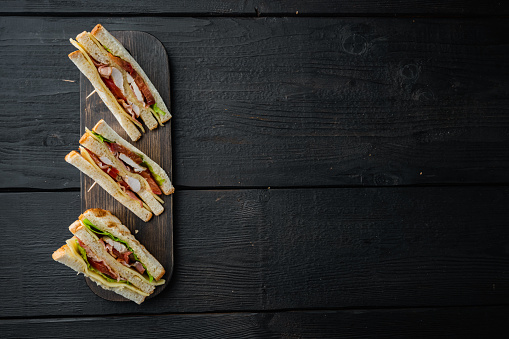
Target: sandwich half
119, 80
125, 172
105, 251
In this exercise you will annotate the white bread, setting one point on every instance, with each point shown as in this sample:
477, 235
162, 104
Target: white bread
93, 50
117, 49
75, 159
98, 250
65, 256
102, 56
106, 131
107, 222
91, 73
101, 150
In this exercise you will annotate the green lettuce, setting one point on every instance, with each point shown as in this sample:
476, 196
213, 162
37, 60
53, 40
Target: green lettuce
83, 254
95, 230
100, 137
157, 109
156, 177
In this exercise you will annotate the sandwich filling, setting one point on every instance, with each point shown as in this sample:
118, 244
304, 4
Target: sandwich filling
120, 250
93, 63
132, 162
114, 80
134, 79
109, 169
95, 273
98, 265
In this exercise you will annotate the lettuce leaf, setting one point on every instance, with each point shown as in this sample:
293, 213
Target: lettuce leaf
156, 177
157, 109
95, 230
101, 138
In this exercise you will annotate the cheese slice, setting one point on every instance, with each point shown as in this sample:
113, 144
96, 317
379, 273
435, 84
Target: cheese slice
156, 196
97, 277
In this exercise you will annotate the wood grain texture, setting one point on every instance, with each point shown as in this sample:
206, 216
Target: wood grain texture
157, 234
267, 250
452, 322
262, 7
281, 101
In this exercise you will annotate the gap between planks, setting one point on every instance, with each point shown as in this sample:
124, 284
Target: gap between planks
225, 312
257, 14
237, 188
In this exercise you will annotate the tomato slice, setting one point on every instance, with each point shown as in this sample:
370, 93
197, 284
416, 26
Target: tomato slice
122, 63
151, 182
117, 148
99, 266
113, 88
149, 98
113, 172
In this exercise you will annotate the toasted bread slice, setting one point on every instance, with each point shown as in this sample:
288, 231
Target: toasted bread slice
107, 97
108, 184
69, 258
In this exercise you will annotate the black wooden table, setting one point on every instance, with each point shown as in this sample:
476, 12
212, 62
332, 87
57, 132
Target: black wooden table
341, 169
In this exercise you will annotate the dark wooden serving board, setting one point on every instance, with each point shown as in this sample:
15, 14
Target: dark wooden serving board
157, 234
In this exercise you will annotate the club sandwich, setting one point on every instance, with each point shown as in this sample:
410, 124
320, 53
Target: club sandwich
125, 172
120, 81
105, 251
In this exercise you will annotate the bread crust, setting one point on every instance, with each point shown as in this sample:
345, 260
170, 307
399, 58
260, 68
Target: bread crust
75, 159
59, 254
75, 226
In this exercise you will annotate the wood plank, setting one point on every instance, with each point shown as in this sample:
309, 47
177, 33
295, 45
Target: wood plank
280, 249
261, 7
157, 234
394, 323
281, 101
301, 102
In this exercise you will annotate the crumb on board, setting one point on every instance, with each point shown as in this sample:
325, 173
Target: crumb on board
90, 94
95, 182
